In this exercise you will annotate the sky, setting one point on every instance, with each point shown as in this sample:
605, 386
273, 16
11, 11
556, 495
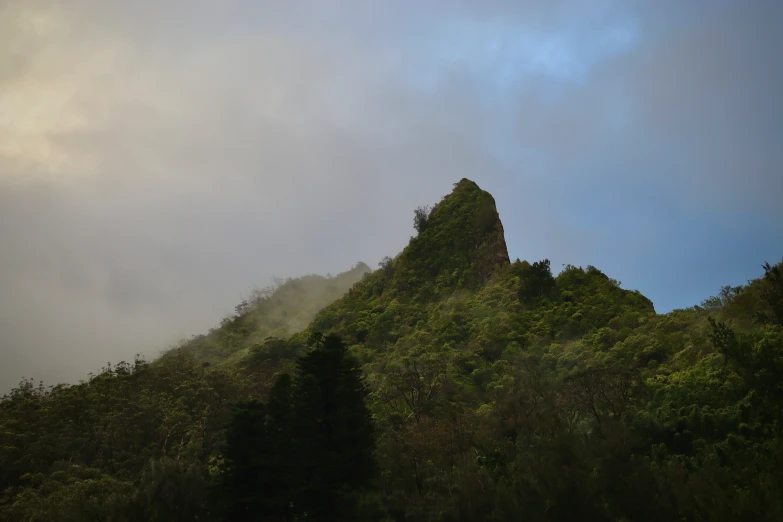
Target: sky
159, 160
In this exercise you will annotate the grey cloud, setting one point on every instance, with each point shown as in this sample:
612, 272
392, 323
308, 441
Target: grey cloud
204, 147
242, 158
698, 110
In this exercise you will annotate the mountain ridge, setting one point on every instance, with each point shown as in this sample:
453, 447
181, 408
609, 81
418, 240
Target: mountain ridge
497, 389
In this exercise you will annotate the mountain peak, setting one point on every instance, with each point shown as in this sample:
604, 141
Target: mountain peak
460, 242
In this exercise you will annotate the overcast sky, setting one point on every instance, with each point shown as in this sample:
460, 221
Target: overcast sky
159, 159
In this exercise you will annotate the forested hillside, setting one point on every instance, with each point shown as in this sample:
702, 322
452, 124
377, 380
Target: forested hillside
450, 384
277, 311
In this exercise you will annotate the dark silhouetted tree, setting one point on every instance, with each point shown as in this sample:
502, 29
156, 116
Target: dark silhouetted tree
421, 217
251, 488
308, 452
772, 292
333, 430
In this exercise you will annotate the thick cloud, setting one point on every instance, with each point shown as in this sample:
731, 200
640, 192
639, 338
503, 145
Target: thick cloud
159, 159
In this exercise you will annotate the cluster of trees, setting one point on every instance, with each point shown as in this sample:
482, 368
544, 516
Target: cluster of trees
307, 453
132, 443
177, 441
578, 402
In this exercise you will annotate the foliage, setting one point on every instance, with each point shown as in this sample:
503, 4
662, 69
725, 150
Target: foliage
278, 311
308, 451
421, 217
448, 385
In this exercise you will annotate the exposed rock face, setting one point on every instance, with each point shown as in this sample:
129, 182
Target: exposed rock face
491, 251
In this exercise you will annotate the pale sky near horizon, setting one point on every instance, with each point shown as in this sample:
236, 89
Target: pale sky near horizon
160, 159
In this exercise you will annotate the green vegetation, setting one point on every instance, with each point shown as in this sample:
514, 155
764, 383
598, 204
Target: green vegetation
450, 384
308, 453
278, 311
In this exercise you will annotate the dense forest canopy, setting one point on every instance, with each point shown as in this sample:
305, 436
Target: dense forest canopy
449, 384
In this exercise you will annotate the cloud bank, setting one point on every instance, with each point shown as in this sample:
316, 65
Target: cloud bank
159, 159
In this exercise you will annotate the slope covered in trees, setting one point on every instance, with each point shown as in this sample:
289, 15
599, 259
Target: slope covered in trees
277, 311
490, 390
